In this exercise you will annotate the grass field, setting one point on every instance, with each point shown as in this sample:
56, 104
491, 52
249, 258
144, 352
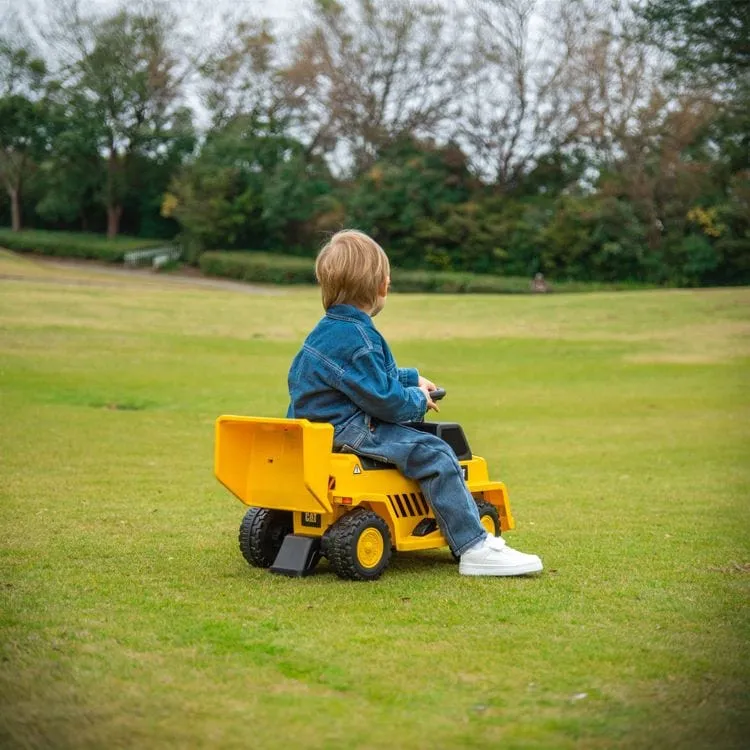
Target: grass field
619, 421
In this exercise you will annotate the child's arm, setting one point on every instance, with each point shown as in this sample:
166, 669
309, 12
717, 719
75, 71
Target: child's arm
367, 383
408, 376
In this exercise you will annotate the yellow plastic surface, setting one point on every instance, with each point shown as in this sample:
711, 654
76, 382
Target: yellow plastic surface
275, 463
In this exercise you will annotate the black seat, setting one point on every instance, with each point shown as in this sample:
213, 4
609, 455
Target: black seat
451, 432
373, 463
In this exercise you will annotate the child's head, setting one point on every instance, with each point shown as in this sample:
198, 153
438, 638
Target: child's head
352, 269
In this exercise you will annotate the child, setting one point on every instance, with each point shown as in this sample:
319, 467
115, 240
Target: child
345, 374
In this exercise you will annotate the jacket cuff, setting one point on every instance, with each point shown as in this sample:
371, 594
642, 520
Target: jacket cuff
423, 408
408, 376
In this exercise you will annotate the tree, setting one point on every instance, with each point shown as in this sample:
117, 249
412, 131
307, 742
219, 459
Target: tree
518, 104
403, 201
708, 43
367, 73
22, 139
707, 38
616, 83
709, 79
21, 72
242, 76
24, 133
73, 174
251, 186
124, 77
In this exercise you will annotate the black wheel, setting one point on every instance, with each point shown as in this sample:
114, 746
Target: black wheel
489, 518
324, 542
261, 533
358, 545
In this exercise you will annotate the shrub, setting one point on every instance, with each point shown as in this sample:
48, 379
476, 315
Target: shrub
73, 244
266, 268
262, 268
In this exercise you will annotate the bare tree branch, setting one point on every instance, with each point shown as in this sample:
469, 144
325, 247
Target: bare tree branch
368, 72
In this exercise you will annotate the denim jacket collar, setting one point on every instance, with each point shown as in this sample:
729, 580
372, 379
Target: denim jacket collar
349, 312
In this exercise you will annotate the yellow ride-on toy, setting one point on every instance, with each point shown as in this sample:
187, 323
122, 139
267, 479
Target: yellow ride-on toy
307, 501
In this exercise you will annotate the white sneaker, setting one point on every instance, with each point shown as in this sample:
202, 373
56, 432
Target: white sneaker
493, 557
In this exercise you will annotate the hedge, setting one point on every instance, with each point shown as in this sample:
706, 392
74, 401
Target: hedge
74, 245
448, 282
270, 268
267, 268
261, 268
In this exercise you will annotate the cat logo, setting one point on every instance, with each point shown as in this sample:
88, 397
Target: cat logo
311, 519
357, 469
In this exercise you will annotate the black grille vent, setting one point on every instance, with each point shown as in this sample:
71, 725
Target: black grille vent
412, 504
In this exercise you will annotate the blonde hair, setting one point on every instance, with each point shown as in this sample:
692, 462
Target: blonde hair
350, 268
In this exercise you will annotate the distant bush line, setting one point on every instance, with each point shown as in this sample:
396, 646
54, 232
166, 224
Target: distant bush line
267, 268
271, 268
74, 245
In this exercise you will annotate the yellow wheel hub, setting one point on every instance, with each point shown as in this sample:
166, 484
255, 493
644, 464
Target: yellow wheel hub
489, 524
370, 548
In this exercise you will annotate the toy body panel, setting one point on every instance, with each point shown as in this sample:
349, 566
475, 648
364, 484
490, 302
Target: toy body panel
275, 463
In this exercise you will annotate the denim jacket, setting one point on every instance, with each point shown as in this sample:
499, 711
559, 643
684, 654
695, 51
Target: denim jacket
345, 374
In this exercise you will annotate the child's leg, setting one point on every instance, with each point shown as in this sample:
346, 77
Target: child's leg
431, 462
434, 465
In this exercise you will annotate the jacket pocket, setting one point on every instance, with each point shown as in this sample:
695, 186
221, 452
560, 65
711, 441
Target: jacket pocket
351, 436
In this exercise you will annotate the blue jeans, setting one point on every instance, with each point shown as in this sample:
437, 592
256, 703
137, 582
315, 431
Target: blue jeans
426, 459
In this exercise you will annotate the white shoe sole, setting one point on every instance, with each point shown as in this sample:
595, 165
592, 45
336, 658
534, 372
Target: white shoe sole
490, 569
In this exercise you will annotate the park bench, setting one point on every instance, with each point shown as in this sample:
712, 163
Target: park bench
156, 256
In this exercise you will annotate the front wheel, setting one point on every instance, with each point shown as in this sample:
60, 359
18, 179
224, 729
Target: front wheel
358, 545
262, 532
489, 518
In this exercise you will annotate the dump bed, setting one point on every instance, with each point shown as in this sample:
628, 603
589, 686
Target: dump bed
275, 463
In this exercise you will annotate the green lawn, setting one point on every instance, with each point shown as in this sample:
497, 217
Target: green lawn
619, 421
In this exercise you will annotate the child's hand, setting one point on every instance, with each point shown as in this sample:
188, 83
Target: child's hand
426, 390
427, 383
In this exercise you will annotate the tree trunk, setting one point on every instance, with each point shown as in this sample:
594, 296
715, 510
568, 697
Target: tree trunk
15, 209
113, 220
114, 209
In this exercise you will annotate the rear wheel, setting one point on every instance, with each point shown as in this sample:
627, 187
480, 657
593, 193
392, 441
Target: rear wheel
358, 545
262, 532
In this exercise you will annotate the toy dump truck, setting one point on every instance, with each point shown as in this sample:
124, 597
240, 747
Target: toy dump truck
307, 501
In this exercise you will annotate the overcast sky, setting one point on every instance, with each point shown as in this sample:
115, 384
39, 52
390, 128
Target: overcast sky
36, 13
275, 8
